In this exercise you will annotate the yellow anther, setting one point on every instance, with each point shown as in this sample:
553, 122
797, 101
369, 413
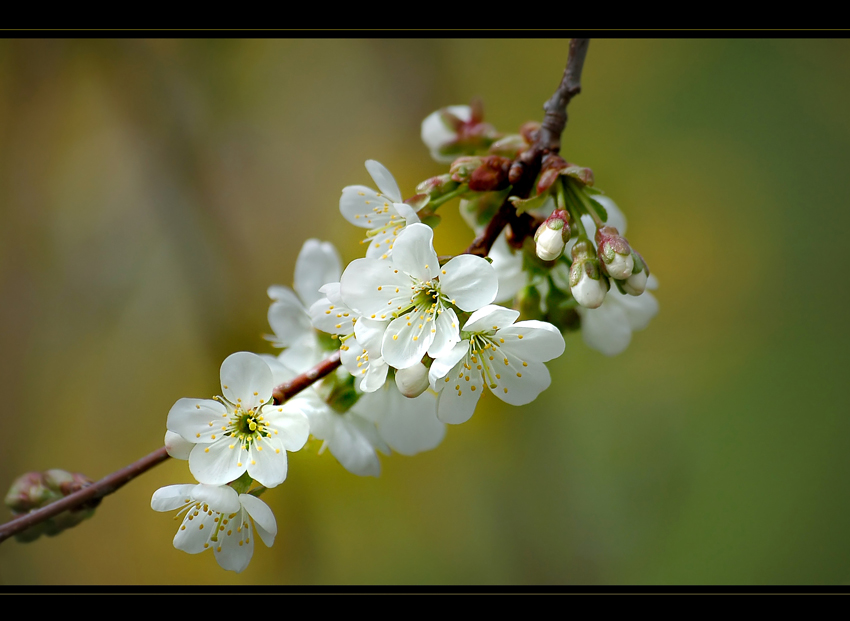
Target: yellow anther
501, 340
444, 271
525, 364
472, 388
212, 436
395, 337
506, 390
415, 338
239, 464
519, 374
277, 450
519, 336
198, 406
206, 450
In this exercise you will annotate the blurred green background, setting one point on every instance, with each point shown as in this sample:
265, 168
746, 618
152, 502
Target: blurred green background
150, 191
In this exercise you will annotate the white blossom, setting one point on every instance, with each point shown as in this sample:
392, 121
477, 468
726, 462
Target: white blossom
436, 134
504, 356
317, 265
408, 425
384, 213
415, 295
241, 431
217, 517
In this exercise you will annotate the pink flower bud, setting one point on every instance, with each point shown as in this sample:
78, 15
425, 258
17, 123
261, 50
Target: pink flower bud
615, 252
552, 235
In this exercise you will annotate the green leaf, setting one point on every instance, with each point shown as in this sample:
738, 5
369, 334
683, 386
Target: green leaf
598, 208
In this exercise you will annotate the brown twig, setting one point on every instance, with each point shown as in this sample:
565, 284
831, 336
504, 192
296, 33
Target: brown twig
104, 487
116, 480
525, 168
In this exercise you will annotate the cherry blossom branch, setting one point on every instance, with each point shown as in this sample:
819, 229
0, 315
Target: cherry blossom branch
92, 494
521, 176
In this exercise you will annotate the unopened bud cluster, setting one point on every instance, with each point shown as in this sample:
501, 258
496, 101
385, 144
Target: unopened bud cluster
35, 490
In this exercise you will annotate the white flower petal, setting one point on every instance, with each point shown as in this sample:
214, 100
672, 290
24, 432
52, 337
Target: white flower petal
490, 318
263, 517
318, 263
518, 384
172, 497
442, 365
369, 286
176, 446
446, 332
384, 180
533, 340
375, 375
409, 426
457, 401
639, 310
191, 418
290, 422
228, 553
197, 531
413, 253
220, 498
469, 281
289, 321
407, 212
352, 448
406, 340
301, 356
332, 318
370, 334
358, 205
508, 266
217, 463
246, 379
606, 329
266, 461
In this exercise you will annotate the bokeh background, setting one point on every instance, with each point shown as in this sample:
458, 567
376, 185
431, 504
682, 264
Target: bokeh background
150, 191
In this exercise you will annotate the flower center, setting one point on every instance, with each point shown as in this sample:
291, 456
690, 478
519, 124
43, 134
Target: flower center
247, 425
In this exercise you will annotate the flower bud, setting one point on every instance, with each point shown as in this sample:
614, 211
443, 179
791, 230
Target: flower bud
483, 174
550, 170
636, 283
509, 146
437, 186
456, 130
615, 253
34, 490
587, 284
412, 381
552, 235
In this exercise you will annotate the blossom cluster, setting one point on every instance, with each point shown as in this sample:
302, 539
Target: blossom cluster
420, 336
